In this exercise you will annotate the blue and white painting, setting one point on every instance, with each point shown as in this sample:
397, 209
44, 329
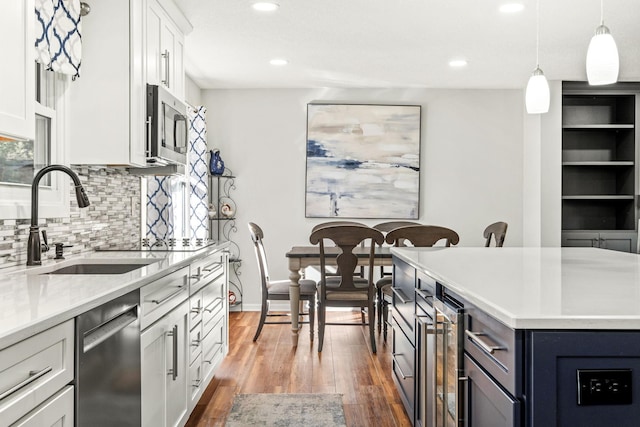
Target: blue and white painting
363, 161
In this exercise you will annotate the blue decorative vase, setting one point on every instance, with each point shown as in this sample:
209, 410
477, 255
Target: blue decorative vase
216, 164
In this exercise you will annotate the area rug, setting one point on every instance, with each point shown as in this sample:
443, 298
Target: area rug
287, 410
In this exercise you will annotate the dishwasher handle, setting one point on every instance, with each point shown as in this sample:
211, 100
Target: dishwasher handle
106, 330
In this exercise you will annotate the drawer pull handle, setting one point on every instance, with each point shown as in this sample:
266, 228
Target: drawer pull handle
475, 338
33, 376
196, 383
400, 296
423, 294
174, 370
168, 297
215, 267
402, 374
196, 276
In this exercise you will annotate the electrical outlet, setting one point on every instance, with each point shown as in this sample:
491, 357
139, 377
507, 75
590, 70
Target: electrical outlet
604, 387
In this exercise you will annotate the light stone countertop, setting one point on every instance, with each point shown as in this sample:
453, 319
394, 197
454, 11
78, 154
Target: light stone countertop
539, 288
31, 302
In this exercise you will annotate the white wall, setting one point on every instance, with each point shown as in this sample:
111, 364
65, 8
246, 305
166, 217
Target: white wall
471, 162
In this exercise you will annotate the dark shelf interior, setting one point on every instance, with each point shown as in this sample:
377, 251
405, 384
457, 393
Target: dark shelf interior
598, 161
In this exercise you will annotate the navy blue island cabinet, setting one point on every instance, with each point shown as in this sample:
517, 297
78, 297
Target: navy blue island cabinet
467, 357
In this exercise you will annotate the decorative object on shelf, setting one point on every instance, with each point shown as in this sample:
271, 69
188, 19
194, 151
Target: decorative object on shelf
226, 210
216, 164
372, 151
537, 94
603, 63
212, 211
232, 298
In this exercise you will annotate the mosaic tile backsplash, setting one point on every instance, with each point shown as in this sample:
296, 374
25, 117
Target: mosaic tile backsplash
112, 218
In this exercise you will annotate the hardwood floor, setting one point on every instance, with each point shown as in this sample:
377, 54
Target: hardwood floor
272, 365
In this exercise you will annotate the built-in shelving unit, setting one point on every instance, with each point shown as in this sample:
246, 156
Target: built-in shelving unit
599, 165
222, 227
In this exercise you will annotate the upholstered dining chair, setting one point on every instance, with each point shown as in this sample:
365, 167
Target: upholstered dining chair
346, 289
417, 236
384, 228
498, 230
278, 290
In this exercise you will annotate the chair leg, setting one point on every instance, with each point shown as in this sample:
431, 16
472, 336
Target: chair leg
321, 323
372, 326
362, 319
385, 316
312, 312
379, 307
263, 317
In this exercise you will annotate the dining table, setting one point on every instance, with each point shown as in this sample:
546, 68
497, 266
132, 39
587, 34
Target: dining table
301, 257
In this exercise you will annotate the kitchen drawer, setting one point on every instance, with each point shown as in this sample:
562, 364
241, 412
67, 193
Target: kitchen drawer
195, 342
206, 270
212, 315
213, 346
212, 294
163, 295
496, 347
196, 306
57, 411
195, 379
403, 288
425, 292
403, 367
33, 370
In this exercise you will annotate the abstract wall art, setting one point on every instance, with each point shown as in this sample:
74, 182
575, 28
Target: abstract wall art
363, 161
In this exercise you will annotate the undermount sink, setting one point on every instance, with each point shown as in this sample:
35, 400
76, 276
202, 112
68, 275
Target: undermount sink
96, 266
97, 269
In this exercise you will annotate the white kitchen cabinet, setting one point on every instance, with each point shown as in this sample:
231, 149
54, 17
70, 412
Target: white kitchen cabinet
32, 371
208, 321
165, 369
17, 116
108, 100
164, 50
58, 411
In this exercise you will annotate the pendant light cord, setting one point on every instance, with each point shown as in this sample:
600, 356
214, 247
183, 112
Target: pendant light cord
601, 12
537, 33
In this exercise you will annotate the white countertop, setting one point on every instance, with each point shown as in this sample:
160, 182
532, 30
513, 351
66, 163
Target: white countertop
539, 288
31, 302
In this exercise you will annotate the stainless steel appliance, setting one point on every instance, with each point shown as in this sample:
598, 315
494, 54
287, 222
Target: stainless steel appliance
449, 398
108, 388
167, 127
425, 414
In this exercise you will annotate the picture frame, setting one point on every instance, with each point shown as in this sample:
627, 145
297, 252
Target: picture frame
363, 161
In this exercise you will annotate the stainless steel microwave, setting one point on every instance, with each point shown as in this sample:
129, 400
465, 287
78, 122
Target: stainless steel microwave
167, 127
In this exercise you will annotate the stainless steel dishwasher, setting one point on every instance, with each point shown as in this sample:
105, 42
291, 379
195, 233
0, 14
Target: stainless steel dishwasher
108, 388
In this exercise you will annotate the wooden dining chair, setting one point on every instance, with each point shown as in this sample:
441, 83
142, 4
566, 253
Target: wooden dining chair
278, 290
336, 272
346, 289
384, 228
417, 236
498, 230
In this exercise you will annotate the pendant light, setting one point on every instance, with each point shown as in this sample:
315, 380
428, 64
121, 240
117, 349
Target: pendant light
537, 94
603, 63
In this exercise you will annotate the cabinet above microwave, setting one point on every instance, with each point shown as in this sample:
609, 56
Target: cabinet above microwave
107, 113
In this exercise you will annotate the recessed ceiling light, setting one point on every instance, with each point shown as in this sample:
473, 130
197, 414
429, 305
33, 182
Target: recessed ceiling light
265, 6
458, 63
278, 62
512, 8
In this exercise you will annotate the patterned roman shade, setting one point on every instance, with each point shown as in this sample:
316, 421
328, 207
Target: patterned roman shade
58, 35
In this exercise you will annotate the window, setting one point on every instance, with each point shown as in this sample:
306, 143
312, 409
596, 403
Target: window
19, 159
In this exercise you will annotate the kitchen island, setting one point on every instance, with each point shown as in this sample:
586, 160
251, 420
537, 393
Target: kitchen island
546, 337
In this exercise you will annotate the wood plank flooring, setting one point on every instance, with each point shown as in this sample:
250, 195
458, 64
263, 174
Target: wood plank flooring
272, 365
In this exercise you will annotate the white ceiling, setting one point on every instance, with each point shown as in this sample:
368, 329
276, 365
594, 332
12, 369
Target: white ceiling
399, 43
